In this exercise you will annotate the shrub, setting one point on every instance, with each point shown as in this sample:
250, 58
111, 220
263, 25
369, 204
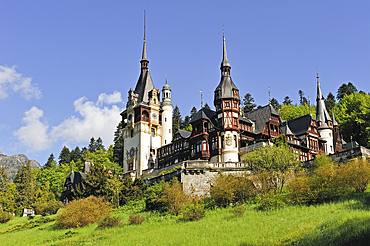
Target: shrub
356, 174
48, 208
174, 197
109, 221
229, 189
272, 201
136, 219
5, 216
239, 210
194, 210
154, 197
80, 213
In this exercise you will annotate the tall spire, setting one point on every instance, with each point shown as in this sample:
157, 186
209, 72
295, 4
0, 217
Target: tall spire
322, 115
144, 60
225, 65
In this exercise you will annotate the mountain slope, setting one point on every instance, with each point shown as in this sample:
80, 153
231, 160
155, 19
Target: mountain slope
14, 162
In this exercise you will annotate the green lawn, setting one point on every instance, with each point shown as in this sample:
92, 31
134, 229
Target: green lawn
344, 222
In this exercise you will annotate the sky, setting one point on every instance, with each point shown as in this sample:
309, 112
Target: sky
66, 66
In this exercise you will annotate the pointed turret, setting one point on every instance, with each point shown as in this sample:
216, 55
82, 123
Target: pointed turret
145, 84
322, 115
225, 65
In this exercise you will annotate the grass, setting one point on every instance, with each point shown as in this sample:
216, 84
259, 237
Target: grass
343, 222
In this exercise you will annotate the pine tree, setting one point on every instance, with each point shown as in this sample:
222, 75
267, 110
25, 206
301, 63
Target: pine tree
118, 145
99, 144
207, 106
275, 103
25, 183
345, 89
92, 145
302, 98
64, 156
176, 119
330, 102
287, 101
248, 103
193, 112
50, 162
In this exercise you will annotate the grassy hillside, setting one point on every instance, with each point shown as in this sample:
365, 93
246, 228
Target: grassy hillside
344, 222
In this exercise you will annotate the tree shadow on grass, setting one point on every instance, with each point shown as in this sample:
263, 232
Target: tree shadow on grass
362, 201
355, 231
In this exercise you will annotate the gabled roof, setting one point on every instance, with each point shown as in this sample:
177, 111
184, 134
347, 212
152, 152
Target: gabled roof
144, 86
261, 116
300, 125
203, 113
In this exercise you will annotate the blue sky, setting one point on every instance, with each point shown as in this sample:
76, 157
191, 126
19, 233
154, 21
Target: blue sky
66, 66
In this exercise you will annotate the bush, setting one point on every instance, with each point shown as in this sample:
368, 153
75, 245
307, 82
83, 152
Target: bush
154, 197
194, 210
356, 174
272, 201
239, 210
136, 219
48, 208
323, 183
229, 189
109, 221
80, 213
174, 197
5, 216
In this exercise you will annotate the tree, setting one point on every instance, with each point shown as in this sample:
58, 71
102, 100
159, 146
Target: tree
345, 89
55, 176
99, 144
207, 106
287, 101
185, 123
6, 195
176, 119
64, 156
50, 161
289, 112
118, 145
275, 103
272, 166
248, 103
302, 98
330, 102
76, 155
193, 112
25, 184
353, 116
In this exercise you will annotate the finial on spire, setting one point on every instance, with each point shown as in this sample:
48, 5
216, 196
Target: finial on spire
269, 96
201, 98
225, 65
144, 60
166, 79
144, 23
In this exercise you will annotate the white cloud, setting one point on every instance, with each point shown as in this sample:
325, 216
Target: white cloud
109, 99
94, 121
12, 80
33, 134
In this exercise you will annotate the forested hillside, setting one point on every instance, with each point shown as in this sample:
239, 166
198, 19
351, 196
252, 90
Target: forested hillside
15, 162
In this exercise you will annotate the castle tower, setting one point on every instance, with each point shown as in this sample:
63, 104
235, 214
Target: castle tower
226, 101
166, 115
324, 122
141, 122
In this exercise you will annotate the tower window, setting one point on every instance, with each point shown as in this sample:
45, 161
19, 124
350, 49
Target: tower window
235, 141
165, 119
152, 132
204, 145
227, 104
132, 133
169, 130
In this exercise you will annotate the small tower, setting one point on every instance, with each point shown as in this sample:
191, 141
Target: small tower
226, 101
324, 122
166, 115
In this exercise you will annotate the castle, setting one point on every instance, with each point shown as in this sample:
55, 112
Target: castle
218, 138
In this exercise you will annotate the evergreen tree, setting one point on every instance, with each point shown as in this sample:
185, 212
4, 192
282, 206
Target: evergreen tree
185, 123
50, 162
4, 178
64, 156
99, 144
92, 145
345, 89
287, 101
248, 103
176, 119
118, 145
25, 184
302, 98
6, 194
275, 103
207, 106
76, 155
193, 112
330, 102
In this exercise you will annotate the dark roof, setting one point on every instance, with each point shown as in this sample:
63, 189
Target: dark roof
261, 116
144, 86
75, 178
184, 134
226, 87
300, 125
203, 113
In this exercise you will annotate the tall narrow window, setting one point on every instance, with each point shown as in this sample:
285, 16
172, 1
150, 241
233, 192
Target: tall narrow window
132, 133
235, 141
152, 132
204, 145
